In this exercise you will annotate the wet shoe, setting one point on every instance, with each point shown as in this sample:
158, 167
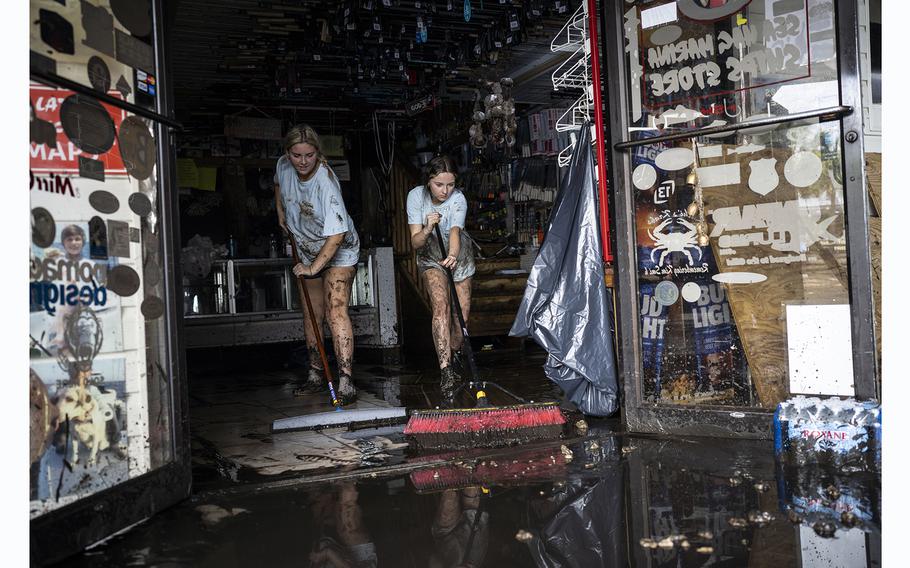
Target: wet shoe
346, 392
315, 383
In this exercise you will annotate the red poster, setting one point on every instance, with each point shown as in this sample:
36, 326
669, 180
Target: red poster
64, 158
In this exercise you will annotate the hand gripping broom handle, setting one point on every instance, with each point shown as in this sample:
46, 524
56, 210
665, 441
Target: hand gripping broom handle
301, 289
469, 353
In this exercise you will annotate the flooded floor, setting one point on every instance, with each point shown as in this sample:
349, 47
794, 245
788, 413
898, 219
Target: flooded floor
598, 497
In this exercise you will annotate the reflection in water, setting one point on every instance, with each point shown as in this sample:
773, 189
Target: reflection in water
601, 502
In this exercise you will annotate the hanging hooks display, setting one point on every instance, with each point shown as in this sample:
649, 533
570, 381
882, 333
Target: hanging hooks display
384, 164
574, 73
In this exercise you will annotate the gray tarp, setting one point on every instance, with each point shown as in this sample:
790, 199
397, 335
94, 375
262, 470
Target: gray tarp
567, 307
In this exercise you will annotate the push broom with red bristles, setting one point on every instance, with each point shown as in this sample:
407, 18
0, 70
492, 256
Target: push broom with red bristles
484, 425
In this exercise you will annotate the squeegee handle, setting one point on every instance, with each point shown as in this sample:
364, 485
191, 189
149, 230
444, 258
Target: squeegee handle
469, 352
301, 289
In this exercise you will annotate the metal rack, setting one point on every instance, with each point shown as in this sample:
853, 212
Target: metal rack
581, 71
575, 74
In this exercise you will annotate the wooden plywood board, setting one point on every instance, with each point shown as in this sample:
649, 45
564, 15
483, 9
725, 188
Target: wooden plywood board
875, 245
874, 181
759, 308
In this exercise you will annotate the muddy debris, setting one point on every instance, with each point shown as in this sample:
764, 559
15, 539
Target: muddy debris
760, 518
523, 536
566, 452
629, 449
737, 522
832, 492
794, 517
581, 427
736, 481
824, 529
848, 519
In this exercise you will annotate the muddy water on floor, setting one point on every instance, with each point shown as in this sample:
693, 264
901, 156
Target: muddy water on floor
602, 501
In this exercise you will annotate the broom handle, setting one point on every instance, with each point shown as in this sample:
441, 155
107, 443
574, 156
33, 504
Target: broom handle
472, 368
301, 289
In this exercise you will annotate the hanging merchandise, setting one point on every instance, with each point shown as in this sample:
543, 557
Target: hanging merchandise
566, 302
384, 164
421, 31
494, 122
467, 10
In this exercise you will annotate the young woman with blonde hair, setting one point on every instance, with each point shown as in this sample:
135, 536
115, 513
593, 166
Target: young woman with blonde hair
310, 207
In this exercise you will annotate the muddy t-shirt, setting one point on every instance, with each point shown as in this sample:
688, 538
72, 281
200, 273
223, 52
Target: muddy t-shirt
314, 210
453, 210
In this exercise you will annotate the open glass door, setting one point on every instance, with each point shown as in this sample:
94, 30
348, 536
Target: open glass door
741, 211
107, 404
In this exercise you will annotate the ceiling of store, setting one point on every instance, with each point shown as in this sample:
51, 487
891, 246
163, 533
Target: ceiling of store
283, 56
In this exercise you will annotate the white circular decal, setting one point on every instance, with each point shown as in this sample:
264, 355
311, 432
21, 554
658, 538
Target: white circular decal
665, 34
803, 169
675, 159
666, 293
644, 176
739, 278
691, 292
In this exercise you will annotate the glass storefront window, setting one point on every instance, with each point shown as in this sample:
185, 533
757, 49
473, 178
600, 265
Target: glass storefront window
100, 385
737, 233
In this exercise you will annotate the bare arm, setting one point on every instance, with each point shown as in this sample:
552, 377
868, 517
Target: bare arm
326, 253
420, 233
279, 207
454, 241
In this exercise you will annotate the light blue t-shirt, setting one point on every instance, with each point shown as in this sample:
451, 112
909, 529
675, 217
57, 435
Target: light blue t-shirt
314, 210
453, 210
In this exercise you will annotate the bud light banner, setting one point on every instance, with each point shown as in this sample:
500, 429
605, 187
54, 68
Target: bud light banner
653, 329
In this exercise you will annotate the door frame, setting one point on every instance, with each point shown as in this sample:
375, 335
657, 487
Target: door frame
640, 415
67, 530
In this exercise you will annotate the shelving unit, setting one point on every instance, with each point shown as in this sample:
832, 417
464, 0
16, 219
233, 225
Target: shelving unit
574, 74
